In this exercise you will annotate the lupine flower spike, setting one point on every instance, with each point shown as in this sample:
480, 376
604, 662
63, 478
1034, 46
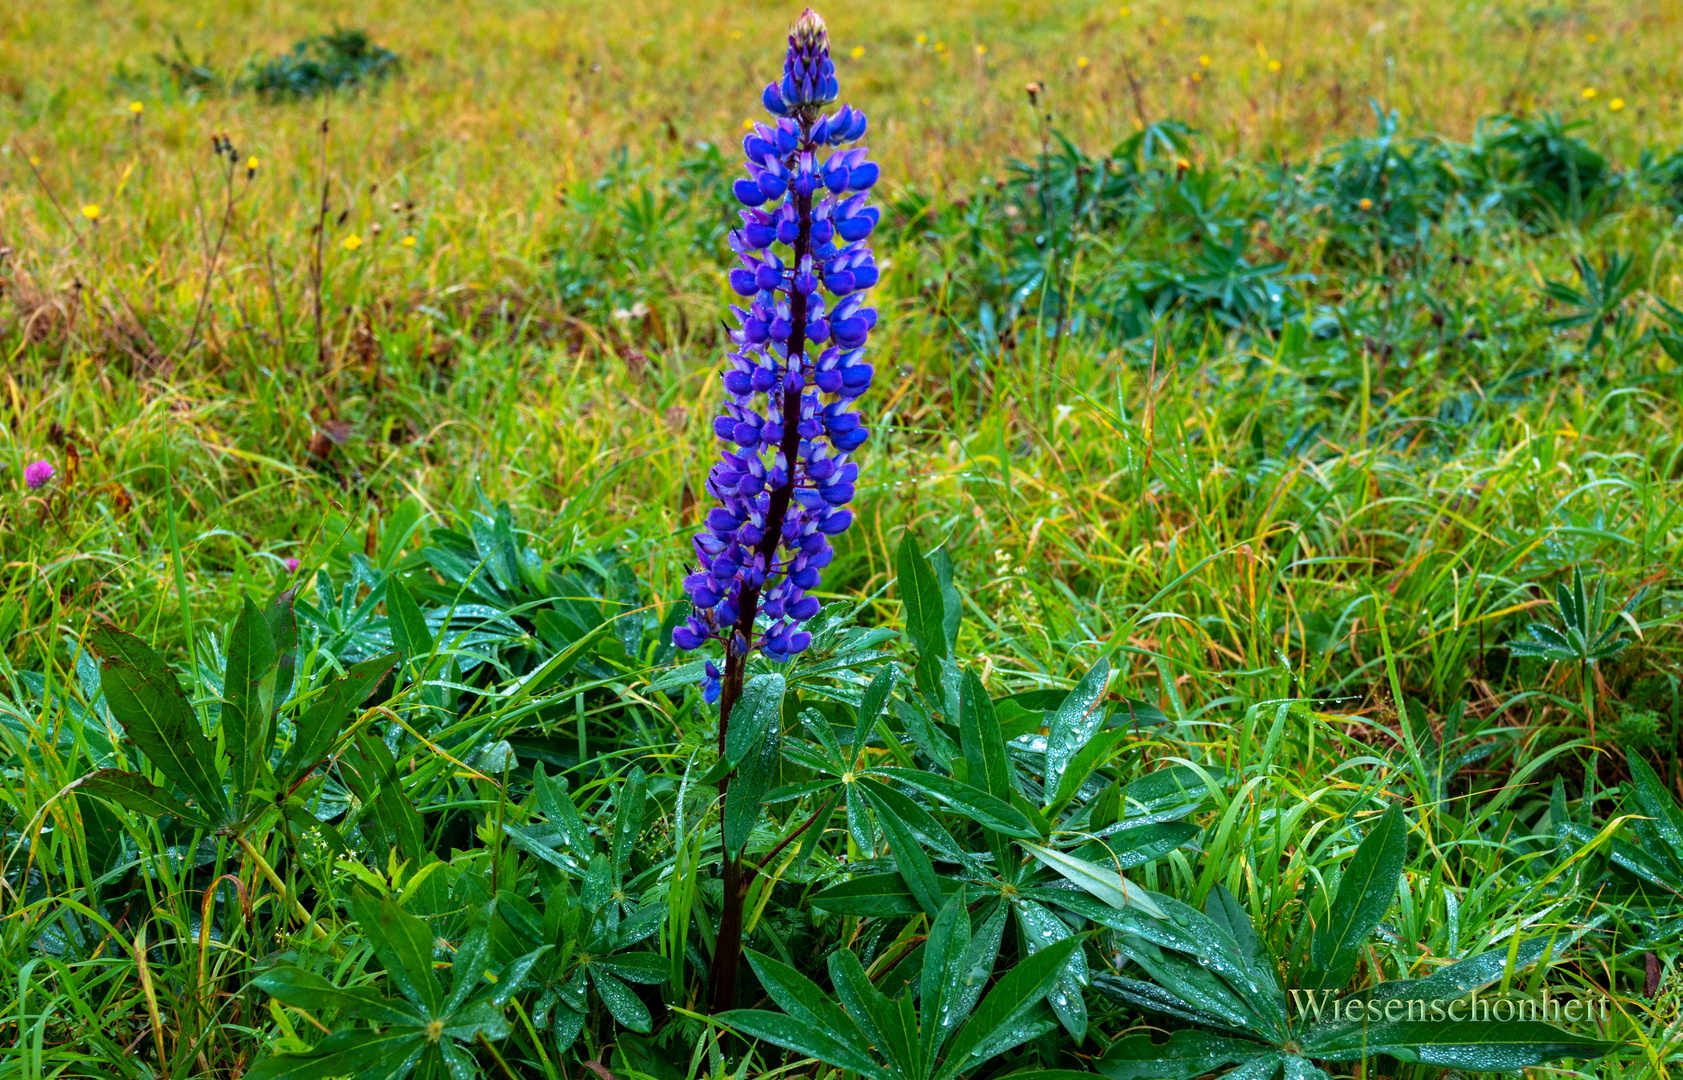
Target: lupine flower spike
788, 426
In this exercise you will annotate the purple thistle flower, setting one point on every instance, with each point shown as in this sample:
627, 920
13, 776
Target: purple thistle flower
783, 479
37, 473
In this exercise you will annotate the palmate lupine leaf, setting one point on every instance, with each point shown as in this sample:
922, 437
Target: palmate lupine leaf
1365, 892
943, 1036
425, 1020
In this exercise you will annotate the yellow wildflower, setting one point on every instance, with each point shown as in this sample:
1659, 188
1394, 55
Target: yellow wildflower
858, 51
136, 107
352, 242
1616, 104
91, 211
1589, 92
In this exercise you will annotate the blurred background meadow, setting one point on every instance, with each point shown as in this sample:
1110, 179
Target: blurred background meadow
1281, 351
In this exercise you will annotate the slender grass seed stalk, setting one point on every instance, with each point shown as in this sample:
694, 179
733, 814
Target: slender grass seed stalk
783, 479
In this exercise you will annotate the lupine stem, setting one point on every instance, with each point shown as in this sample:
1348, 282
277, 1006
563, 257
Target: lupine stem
727, 950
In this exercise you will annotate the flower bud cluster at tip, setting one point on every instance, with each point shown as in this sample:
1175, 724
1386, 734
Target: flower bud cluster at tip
800, 338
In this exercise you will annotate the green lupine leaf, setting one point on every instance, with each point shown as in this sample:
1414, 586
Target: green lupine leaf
1007, 1005
1364, 893
805, 1039
759, 710
974, 803
753, 780
307, 990
875, 895
352, 1052
1466, 1044
915, 867
1077, 720
1100, 881
627, 1008
1188, 1053
800, 997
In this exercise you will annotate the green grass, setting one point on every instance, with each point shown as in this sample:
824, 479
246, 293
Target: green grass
1274, 526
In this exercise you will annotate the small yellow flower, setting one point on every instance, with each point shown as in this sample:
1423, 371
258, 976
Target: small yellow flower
1203, 61
940, 46
408, 241
250, 164
352, 242
1591, 38
1182, 164
33, 160
1081, 61
1616, 104
736, 35
1124, 11
1273, 65
858, 51
1164, 20
1366, 204
1589, 92
1197, 76
981, 50
91, 211
923, 39
747, 125
136, 107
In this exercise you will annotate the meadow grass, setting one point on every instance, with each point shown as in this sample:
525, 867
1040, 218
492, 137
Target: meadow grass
521, 277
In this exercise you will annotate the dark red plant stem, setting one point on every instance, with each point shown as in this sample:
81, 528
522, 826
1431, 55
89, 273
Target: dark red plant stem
727, 951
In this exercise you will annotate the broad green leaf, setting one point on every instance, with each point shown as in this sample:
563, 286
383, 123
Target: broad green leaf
628, 818
1077, 720
638, 967
1093, 753
922, 824
945, 956
627, 1008
1364, 893
133, 791
353, 1052
875, 895
410, 634
1041, 929
800, 997
1478, 1045
1656, 802
804, 1038
742, 804
147, 700
245, 713
913, 863
868, 1007
328, 714
980, 739
404, 945
307, 990
870, 711
974, 803
1188, 1053
759, 710
1016, 994
1102, 882
924, 608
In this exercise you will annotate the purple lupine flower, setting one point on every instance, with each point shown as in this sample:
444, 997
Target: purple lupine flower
37, 473
788, 425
